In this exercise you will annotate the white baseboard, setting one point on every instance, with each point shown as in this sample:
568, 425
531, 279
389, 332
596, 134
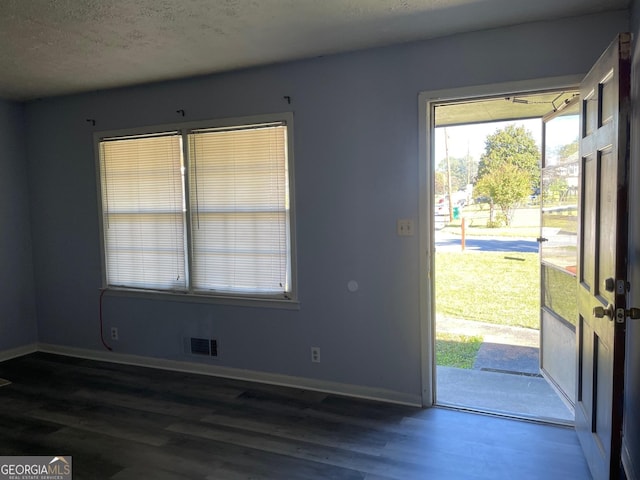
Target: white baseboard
357, 391
18, 352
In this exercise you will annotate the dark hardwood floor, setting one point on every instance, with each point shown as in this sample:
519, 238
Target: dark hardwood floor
124, 422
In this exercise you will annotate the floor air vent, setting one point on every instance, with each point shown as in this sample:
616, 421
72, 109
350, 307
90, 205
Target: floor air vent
204, 346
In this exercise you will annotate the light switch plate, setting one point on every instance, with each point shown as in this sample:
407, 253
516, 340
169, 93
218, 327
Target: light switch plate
406, 227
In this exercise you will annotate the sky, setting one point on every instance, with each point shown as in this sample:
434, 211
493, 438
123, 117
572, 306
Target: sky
471, 138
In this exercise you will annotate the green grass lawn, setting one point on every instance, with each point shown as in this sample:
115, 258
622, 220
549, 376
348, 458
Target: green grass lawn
525, 223
456, 350
493, 287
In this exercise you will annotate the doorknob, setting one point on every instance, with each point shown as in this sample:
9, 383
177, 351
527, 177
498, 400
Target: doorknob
621, 313
601, 312
633, 313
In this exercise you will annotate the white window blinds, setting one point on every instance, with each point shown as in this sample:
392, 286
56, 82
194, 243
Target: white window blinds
216, 222
143, 211
240, 209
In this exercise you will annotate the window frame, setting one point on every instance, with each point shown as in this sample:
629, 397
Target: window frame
288, 301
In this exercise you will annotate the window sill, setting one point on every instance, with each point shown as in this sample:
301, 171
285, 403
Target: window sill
238, 300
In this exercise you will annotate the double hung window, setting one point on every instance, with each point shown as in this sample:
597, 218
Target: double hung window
203, 209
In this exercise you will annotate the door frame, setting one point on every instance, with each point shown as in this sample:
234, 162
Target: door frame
426, 227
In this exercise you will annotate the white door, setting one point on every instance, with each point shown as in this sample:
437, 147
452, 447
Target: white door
602, 258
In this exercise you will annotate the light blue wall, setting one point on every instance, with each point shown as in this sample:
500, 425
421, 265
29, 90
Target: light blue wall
356, 162
17, 301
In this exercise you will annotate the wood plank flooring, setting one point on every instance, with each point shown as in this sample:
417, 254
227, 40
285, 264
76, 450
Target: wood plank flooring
124, 422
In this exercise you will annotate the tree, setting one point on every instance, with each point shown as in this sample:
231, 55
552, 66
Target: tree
568, 153
462, 170
515, 146
441, 183
506, 185
508, 170
558, 189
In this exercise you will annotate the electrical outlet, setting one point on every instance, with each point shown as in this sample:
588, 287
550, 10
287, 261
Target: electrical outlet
315, 354
114, 333
405, 227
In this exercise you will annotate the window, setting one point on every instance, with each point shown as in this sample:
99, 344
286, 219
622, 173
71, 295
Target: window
202, 210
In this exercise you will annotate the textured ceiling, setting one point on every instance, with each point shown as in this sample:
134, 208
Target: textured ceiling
53, 47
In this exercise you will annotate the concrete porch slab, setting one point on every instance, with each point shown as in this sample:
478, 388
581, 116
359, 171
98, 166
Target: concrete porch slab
517, 395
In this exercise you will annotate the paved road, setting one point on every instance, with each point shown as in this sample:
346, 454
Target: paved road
451, 243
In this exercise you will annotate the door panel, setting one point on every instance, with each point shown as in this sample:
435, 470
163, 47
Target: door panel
602, 248
607, 218
589, 219
558, 358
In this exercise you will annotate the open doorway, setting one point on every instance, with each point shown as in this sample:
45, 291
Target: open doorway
500, 344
